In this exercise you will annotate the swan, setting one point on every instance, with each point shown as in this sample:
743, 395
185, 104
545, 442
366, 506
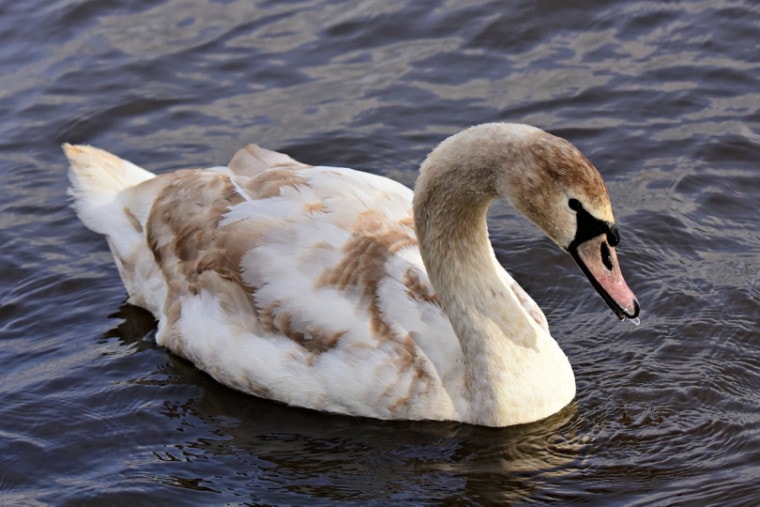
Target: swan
342, 291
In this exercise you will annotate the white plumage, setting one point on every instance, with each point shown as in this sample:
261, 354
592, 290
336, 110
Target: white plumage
307, 284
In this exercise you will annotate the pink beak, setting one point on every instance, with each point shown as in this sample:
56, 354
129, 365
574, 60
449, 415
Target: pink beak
598, 260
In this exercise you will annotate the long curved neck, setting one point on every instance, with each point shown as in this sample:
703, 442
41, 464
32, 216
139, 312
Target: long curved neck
506, 353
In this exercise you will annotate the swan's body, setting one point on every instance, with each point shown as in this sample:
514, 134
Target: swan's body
307, 284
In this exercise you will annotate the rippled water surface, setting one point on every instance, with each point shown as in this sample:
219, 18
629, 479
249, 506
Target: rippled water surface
662, 97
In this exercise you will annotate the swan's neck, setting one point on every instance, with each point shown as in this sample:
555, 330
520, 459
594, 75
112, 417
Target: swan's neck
514, 371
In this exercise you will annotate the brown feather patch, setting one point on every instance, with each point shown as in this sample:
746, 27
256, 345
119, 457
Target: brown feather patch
190, 248
276, 320
417, 290
271, 182
373, 241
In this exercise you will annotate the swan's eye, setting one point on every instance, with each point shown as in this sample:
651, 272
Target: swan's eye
574, 204
606, 256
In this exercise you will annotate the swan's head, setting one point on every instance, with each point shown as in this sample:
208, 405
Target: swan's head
544, 177
553, 184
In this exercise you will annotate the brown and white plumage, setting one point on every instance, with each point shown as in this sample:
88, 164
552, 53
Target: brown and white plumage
306, 284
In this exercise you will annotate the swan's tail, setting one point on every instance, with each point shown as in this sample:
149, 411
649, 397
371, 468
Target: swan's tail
97, 178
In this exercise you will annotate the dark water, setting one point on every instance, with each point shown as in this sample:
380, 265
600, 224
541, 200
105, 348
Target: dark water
663, 97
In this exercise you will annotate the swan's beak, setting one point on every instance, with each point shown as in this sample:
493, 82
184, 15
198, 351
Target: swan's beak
598, 260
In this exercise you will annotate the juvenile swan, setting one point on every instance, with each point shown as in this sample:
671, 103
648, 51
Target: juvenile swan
338, 290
